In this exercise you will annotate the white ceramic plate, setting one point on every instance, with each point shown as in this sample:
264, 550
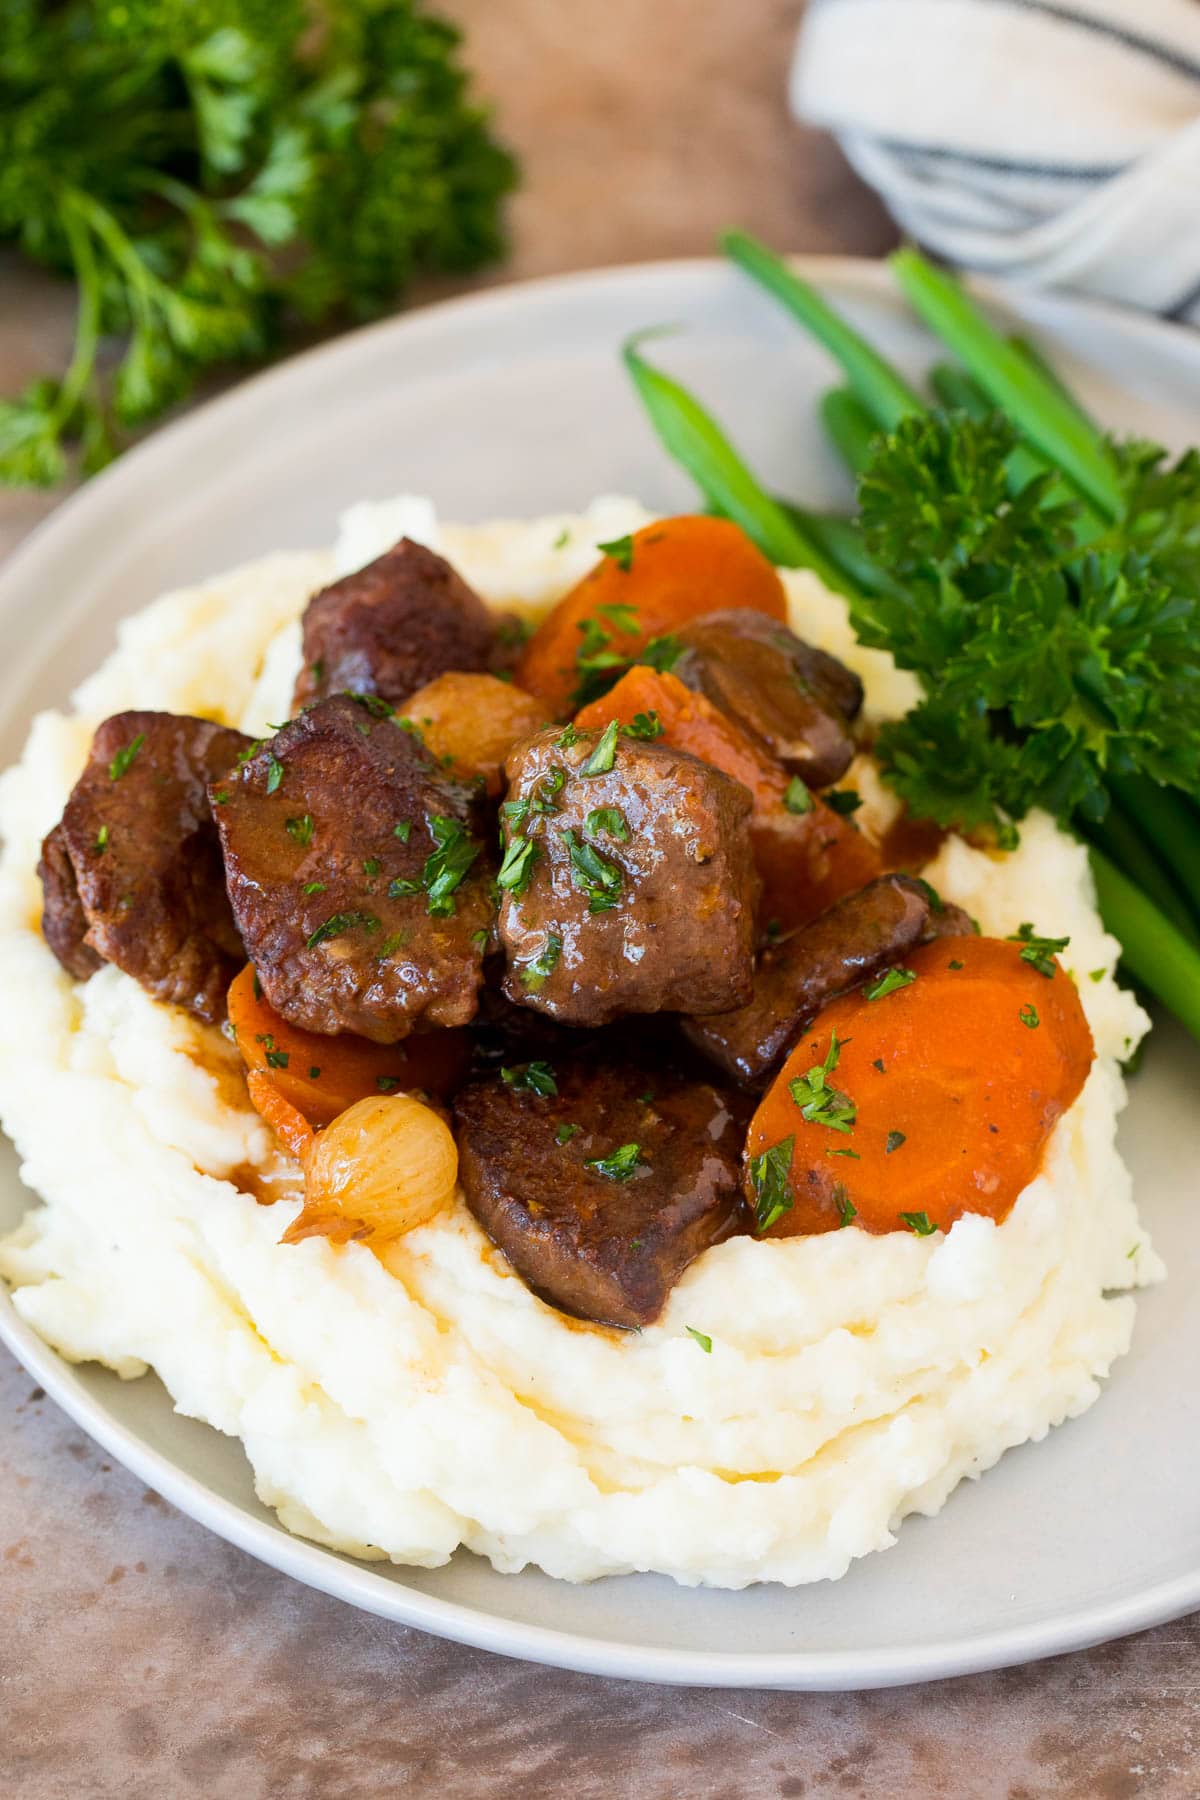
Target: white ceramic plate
514, 403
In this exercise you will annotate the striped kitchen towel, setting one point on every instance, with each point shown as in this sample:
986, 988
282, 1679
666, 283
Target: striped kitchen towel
1055, 144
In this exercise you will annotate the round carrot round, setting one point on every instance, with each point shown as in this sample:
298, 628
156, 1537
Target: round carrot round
933, 1099
319, 1077
644, 586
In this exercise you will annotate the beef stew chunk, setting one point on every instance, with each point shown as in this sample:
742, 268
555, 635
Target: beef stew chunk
358, 875
391, 627
628, 883
797, 701
854, 941
132, 875
599, 1179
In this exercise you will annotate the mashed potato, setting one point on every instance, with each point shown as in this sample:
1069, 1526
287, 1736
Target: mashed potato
400, 1408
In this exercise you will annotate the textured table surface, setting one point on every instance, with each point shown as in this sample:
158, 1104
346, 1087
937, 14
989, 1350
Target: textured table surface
140, 1656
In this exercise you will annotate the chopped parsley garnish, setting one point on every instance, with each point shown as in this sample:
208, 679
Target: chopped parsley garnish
122, 761
449, 863
843, 800
954, 963
568, 738
1097, 974
531, 1078
623, 616
562, 540
387, 1084
894, 1141
222, 797
842, 1150
920, 1223
274, 774
1038, 952
544, 798
605, 754
517, 868
796, 796
340, 923
620, 551
645, 725
701, 1337
608, 819
593, 874
565, 1132
313, 887
773, 930
515, 811
543, 964
301, 829
445, 866
101, 843
819, 1103
769, 1177
878, 1064
376, 705
618, 1166
847, 1211
395, 940
317, 670
277, 1059
243, 756
371, 866
1028, 1015
936, 903
661, 653
403, 830
314, 1073
480, 938
888, 983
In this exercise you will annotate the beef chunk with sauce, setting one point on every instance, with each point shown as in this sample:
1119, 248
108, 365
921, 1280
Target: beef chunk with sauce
391, 627
796, 700
600, 1181
856, 940
357, 875
132, 875
628, 884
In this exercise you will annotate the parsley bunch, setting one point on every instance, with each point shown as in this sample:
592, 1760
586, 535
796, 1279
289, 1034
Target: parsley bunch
214, 172
1041, 580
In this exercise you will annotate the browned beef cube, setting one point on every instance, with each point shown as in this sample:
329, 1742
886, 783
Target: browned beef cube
391, 627
599, 1181
795, 700
628, 884
357, 874
133, 873
855, 940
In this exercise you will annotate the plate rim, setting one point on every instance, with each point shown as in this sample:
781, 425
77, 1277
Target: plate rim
353, 1582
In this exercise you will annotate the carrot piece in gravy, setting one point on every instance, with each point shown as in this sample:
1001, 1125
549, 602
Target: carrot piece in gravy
928, 1094
645, 586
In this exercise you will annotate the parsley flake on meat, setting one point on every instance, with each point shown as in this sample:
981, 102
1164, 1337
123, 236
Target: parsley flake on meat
593, 874
340, 923
122, 761
301, 829
544, 964
604, 755
274, 775
516, 870
620, 1165
531, 1078
609, 819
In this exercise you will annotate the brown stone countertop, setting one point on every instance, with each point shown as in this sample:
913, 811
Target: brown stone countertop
141, 1657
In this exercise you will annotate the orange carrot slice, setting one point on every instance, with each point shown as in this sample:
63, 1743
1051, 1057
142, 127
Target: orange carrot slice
290, 1071
645, 586
928, 1094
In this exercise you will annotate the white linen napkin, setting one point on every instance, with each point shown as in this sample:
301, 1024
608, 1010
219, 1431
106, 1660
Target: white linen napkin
1055, 144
